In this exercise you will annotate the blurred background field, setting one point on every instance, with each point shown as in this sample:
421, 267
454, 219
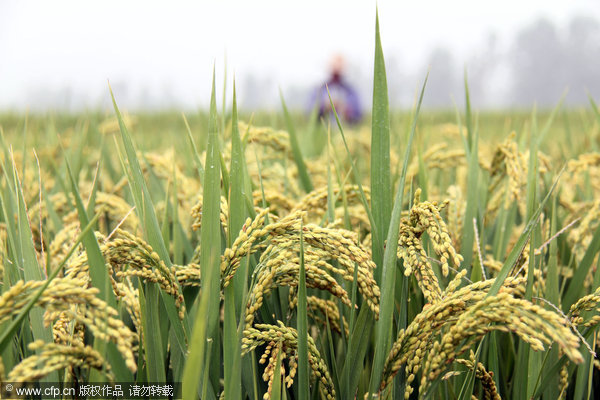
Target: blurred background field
573, 130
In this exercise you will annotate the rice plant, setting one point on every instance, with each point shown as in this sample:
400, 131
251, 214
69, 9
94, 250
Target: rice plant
425, 256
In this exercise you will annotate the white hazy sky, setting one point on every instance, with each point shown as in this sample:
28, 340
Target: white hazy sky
169, 47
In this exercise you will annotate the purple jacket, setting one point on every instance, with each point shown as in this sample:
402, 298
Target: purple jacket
344, 98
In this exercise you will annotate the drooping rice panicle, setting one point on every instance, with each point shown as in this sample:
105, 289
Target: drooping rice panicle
73, 299
262, 334
54, 357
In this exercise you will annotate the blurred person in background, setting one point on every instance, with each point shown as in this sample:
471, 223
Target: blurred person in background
343, 95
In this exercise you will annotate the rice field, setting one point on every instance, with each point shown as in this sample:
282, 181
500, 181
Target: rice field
417, 255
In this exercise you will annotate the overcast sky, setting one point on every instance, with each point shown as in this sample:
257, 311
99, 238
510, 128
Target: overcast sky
167, 49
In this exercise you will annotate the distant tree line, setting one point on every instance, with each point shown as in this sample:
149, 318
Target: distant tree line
541, 64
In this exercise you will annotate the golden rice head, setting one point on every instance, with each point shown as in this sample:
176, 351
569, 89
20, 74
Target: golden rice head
70, 299
414, 342
52, 357
503, 312
287, 337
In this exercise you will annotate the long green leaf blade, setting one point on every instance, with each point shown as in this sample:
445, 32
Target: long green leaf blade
468, 232
147, 215
388, 277
205, 326
234, 293
381, 191
303, 382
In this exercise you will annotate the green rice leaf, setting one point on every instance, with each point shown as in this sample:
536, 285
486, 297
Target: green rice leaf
357, 349
234, 293
152, 232
195, 153
303, 367
381, 191
205, 326
468, 232
388, 277
296, 152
